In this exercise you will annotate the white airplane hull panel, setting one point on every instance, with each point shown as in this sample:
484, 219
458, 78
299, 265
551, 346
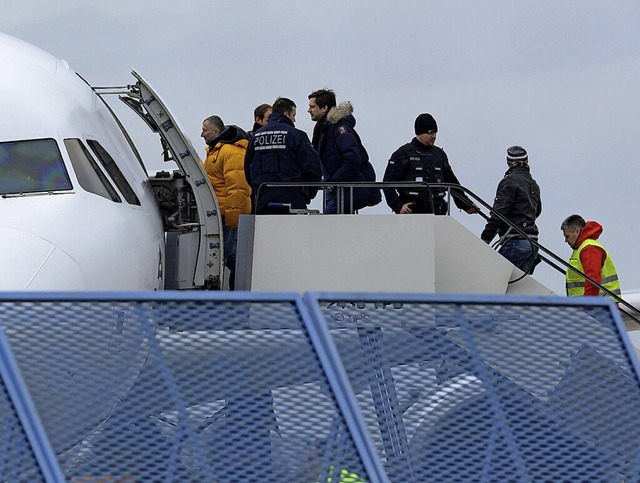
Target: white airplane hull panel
78, 242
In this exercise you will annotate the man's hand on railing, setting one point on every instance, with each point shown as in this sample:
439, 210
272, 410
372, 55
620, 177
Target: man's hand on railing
473, 209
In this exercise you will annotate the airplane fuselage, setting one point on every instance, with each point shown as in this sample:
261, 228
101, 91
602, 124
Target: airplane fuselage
77, 210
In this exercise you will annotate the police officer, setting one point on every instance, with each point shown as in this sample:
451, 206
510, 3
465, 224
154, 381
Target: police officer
278, 152
422, 161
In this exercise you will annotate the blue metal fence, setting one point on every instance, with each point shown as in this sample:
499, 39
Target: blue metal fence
25, 452
215, 386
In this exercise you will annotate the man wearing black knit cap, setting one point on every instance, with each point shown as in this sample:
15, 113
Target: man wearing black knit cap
518, 200
422, 161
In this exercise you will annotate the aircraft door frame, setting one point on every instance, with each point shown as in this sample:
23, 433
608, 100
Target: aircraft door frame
200, 266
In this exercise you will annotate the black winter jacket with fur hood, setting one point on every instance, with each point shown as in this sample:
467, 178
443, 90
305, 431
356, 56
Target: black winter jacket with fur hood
338, 144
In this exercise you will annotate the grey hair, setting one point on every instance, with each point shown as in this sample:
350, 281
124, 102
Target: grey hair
573, 221
215, 122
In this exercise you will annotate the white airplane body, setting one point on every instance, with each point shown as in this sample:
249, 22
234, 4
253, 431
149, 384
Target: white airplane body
78, 209
55, 234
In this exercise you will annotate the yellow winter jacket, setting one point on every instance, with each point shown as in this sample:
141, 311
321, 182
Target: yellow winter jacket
225, 168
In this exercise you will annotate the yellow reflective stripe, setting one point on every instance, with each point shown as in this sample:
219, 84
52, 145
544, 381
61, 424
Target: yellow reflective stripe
347, 477
575, 284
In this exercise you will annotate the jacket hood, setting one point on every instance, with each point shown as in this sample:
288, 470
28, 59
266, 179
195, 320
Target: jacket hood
230, 134
342, 111
592, 230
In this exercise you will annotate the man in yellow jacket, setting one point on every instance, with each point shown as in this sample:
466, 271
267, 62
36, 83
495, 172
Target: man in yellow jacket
224, 165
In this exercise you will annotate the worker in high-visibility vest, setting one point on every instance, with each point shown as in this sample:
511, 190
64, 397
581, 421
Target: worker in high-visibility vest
590, 257
344, 476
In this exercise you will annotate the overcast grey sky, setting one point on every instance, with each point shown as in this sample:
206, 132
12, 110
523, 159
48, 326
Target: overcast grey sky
558, 77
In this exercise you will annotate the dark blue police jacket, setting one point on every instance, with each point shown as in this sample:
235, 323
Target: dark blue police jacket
278, 152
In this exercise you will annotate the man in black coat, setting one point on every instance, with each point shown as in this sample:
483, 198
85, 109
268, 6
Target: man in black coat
341, 151
421, 161
518, 200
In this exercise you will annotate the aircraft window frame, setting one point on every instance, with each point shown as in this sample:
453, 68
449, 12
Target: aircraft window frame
90, 176
114, 172
32, 166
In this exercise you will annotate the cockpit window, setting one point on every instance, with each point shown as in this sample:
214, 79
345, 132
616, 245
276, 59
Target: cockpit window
114, 172
89, 174
32, 166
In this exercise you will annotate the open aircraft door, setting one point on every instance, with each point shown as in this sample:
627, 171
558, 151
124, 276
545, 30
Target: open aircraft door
189, 207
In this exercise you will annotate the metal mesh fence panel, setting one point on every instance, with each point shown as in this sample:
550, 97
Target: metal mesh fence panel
17, 461
193, 389
475, 389
25, 452
210, 387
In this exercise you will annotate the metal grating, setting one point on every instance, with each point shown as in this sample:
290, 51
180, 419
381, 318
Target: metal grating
25, 453
491, 389
180, 388
211, 386
17, 461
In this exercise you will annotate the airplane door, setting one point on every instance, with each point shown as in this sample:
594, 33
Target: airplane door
194, 254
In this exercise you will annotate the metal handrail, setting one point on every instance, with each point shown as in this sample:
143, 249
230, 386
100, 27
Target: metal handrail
342, 186
544, 249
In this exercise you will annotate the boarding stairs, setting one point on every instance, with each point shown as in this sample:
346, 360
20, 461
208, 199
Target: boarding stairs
385, 253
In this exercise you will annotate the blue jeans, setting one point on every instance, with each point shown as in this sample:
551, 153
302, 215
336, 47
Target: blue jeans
330, 203
521, 253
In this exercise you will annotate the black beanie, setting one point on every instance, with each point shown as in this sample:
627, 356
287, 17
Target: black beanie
517, 154
425, 123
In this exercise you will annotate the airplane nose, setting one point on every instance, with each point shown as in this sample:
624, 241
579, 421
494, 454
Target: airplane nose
29, 262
